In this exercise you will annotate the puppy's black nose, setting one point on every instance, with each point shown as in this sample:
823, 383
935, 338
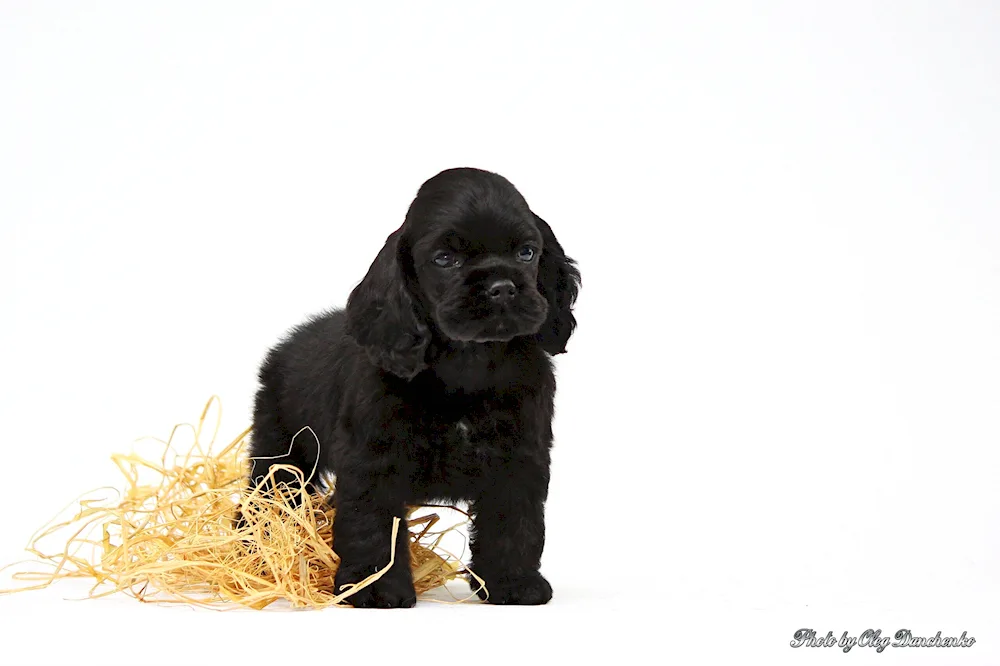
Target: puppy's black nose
502, 290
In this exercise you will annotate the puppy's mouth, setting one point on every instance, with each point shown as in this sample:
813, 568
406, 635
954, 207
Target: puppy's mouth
498, 332
473, 320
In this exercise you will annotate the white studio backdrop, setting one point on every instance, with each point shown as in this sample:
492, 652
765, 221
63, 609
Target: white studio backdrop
782, 405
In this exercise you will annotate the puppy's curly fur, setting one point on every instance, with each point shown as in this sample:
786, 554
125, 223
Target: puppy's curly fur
434, 383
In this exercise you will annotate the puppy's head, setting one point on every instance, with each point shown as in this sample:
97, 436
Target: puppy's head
471, 263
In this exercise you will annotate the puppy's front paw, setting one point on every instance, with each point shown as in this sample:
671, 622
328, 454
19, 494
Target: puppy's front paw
393, 590
528, 590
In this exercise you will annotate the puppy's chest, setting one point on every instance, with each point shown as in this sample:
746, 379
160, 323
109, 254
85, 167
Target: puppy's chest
468, 443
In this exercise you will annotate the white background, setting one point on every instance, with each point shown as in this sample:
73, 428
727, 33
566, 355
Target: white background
782, 405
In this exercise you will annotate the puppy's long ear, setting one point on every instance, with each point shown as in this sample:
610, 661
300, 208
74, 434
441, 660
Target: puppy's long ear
559, 282
382, 315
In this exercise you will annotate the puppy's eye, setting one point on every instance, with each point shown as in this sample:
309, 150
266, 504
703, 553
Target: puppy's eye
526, 253
447, 260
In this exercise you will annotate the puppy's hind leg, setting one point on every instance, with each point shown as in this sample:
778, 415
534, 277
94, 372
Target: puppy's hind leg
273, 450
272, 445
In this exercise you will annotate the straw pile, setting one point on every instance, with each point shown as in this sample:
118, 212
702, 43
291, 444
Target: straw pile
171, 536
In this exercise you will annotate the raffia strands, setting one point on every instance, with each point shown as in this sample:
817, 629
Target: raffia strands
171, 536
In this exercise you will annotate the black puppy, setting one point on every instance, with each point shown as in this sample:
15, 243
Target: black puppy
433, 384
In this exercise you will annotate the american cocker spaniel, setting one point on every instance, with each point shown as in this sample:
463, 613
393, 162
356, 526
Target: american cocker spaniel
434, 384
